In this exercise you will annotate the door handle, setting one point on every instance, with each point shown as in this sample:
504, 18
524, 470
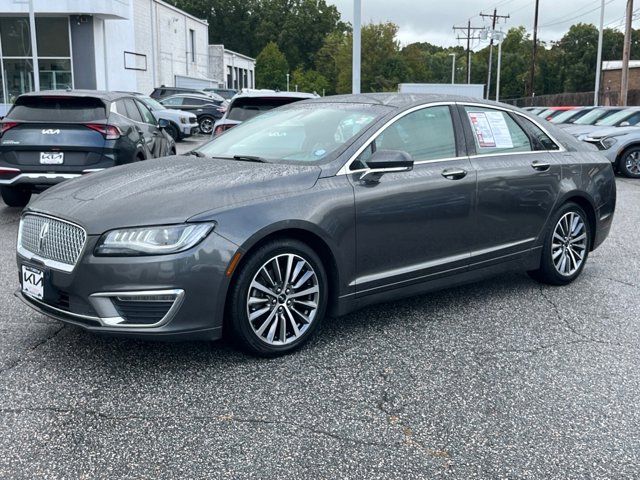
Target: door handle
540, 166
454, 173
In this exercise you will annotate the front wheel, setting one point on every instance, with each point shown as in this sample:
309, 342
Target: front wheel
15, 196
206, 125
173, 132
629, 163
566, 247
278, 298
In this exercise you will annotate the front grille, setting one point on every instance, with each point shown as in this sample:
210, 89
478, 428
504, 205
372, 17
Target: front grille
52, 239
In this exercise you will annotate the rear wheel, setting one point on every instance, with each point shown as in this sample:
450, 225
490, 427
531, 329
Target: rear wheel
566, 247
15, 196
278, 298
629, 163
206, 124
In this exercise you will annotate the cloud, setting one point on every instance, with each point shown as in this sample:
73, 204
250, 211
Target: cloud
432, 21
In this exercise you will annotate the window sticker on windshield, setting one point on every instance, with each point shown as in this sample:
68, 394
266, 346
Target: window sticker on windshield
491, 129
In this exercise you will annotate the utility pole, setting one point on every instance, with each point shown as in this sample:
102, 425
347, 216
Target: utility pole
453, 68
494, 17
34, 48
468, 38
357, 21
596, 93
626, 53
535, 50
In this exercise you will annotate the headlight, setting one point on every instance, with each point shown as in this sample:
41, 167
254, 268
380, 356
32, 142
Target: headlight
608, 142
183, 119
152, 240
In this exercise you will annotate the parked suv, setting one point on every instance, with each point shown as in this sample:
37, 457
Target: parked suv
251, 103
182, 124
207, 108
51, 136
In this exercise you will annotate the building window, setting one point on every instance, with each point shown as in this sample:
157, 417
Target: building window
251, 85
54, 56
192, 40
229, 77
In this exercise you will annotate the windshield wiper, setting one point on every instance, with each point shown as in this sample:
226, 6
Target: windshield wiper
196, 153
249, 158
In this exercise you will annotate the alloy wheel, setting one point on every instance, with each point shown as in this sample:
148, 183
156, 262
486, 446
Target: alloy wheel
632, 163
569, 244
206, 125
283, 299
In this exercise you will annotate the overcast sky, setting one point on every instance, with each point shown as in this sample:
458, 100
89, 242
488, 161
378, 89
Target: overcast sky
431, 20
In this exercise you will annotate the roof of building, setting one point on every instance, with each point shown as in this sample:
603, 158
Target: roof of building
617, 64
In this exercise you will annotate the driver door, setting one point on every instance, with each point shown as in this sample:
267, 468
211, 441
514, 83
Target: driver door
417, 225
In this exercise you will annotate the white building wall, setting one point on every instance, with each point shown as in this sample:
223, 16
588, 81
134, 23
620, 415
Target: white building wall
220, 59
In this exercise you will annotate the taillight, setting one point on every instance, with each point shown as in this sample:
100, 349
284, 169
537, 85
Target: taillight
222, 128
4, 126
7, 172
110, 132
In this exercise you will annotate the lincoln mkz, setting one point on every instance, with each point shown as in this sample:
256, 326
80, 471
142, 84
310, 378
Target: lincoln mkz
314, 209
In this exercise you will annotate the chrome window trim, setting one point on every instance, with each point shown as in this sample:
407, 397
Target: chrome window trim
53, 264
344, 170
520, 114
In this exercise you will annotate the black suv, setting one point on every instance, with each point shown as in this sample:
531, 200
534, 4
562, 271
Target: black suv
208, 108
51, 136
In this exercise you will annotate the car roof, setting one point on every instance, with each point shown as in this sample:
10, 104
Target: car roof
404, 100
253, 93
196, 95
101, 94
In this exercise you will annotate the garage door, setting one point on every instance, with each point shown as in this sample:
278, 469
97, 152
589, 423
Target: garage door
183, 81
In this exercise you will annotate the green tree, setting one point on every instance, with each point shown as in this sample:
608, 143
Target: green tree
309, 81
271, 68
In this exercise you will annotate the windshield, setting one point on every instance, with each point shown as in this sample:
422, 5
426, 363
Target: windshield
243, 109
564, 116
152, 104
308, 133
616, 118
593, 116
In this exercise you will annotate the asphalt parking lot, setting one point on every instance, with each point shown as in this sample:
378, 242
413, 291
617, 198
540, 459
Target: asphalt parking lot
500, 379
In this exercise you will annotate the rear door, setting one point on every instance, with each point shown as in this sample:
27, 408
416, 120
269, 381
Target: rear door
143, 129
150, 124
518, 183
53, 133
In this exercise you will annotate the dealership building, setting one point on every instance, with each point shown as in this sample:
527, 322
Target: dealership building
131, 45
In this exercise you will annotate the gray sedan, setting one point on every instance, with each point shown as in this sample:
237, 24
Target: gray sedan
313, 209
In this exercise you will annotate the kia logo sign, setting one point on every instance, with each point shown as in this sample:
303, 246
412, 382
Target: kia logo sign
50, 131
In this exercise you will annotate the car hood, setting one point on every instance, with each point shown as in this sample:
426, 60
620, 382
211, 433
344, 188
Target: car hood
173, 112
577, 130
167, 190
616, 131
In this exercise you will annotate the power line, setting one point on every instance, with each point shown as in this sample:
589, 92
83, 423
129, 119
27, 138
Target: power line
494, 18
468, 38
574, 17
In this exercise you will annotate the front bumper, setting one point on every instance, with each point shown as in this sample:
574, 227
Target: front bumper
86, 296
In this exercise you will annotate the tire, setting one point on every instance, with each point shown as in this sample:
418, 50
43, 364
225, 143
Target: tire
572, 248
257, 317
629, 163
173, 132
15, 196
206, 124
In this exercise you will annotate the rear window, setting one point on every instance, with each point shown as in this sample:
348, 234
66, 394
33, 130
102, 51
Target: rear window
57, 109
243, 109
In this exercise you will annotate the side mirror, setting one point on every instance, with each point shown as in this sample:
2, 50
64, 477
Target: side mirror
386, 161
625, 124
163, 123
